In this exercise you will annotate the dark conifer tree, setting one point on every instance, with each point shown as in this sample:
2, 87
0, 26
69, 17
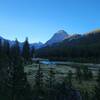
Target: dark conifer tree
32, 52
38, 86
85, 73
85, 95
69, 78
90, 74
6, 47
51, 83
79, 74
26, 51
4, 65
97, 88
51, 78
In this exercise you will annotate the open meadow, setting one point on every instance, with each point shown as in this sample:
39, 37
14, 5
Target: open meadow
61, 72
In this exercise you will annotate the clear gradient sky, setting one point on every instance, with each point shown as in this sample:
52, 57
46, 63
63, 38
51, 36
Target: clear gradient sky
39, 19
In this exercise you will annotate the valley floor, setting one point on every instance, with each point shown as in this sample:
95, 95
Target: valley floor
61, 72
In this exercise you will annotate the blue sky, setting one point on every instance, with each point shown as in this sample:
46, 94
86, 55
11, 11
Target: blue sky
40, 19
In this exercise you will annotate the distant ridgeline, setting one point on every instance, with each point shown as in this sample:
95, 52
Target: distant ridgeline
62, 46
86, 46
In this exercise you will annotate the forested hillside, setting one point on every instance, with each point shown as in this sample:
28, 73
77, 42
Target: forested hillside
83, 46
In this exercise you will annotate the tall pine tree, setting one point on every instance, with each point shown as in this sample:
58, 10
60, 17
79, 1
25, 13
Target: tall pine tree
38, 86
18, 80
97, 88
26, 51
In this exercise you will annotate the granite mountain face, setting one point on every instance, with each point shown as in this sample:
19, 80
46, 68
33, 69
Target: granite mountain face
57, 37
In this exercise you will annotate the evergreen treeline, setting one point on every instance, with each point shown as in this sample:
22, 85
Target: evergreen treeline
13, 80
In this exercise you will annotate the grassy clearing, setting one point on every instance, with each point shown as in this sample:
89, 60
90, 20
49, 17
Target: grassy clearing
60, 73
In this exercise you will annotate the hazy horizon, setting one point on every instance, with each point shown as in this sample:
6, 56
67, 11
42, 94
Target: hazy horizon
40, 19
